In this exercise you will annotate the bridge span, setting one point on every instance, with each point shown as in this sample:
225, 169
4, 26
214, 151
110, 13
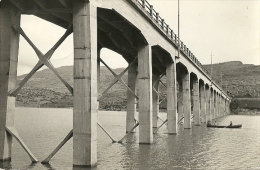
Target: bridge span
132, 28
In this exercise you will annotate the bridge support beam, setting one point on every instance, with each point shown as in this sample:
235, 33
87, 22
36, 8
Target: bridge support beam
155, 101
186, 101
225, 101
208, 105
145, 94
203, 104
223, 106
211, 105
98, 75
196, 104
131, 99
220, 114
85, 83
208, 92
216, 106
171, 97
180, 102
9, 45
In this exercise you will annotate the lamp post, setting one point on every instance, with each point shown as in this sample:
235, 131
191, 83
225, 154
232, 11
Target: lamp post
178, 28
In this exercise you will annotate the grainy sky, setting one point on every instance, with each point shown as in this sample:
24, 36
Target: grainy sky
229, 29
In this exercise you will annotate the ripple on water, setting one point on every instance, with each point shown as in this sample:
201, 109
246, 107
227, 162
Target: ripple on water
196, 148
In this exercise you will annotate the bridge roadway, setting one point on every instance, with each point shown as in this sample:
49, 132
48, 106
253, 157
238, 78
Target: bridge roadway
131, 28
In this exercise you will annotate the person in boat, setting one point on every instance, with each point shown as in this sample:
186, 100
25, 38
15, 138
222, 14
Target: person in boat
208, 123
230, 123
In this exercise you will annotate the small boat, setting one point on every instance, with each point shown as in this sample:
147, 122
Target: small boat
233, 126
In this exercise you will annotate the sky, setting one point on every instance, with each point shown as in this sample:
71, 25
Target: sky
226, 29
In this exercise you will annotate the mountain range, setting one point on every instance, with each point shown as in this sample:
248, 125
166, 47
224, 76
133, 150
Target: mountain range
44, 89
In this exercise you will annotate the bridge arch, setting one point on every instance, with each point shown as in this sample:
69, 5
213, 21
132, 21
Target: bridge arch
160, 58
117, 34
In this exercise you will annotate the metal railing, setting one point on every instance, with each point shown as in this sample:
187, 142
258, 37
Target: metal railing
164, 27
155, 17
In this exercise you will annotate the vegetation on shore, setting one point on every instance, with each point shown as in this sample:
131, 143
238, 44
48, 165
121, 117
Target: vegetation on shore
44, 89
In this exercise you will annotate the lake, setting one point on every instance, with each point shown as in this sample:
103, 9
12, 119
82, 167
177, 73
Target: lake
197, 148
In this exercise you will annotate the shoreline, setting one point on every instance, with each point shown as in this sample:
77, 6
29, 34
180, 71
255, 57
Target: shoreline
239, 111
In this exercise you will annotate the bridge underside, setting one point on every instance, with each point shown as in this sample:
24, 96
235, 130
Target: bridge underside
95, 28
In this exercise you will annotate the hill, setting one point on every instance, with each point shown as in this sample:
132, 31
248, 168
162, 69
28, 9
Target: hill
241, 80
45, 90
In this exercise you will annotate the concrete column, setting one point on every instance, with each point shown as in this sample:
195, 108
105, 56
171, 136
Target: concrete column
225, 100
131, 100
171, 98
98, 75
220, 110
155, 101
196, 103
208, 105
216, 106
180, 102
186, 101
223, 106
9, 45
228, 107
229, 111
85, 83
145, 94
203, 104
211, 105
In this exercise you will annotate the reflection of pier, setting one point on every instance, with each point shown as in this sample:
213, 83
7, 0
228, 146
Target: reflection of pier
131, 28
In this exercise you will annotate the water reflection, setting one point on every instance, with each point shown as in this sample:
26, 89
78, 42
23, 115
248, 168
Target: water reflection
6, 164
196, 148
83, 168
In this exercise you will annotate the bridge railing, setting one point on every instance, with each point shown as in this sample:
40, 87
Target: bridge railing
164, 27
155, 17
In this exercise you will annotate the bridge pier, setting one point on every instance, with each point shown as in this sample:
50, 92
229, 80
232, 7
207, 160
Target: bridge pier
215, 105
9, 46
225, 107
196, 104
219, 106
211, 104
131, 99
203, 104
155, 101
186, 101
180, 102
208, 101
171, 97
145, 94
85, 83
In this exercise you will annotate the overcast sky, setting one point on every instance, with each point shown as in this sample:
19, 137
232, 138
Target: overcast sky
229, 29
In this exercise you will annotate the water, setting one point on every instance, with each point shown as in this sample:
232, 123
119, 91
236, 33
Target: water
199, 148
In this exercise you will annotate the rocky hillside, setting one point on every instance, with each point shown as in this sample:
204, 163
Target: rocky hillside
241, 80
45, 90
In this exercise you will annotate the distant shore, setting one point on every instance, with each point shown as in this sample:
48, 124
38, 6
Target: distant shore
242, 111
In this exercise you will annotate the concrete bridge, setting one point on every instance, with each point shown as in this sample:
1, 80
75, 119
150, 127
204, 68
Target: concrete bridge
131, 28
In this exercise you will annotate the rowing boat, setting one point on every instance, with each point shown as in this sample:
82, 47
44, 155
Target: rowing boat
233, 126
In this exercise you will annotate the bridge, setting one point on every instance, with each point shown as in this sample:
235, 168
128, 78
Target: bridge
133, 29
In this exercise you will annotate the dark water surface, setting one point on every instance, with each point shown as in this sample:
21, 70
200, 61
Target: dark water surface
198, 148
